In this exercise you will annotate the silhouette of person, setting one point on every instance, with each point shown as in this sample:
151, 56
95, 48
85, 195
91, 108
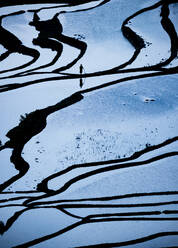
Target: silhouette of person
81, 68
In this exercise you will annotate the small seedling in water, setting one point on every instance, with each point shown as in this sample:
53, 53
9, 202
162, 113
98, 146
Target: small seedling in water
147, 145
22, 118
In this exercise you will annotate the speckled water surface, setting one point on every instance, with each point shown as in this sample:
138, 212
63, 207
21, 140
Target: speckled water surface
89, 123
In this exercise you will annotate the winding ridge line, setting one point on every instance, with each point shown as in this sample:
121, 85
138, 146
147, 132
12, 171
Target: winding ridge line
126, 214
102, 170
111, 168
73, 11
14, 45
62, 208
132, 242
43, 186
77, 224
20, 164
52, 29
48, 43
9, 87
106, 198
111, 198
7, 3
121, 205
14, 199
138, 43
30, 126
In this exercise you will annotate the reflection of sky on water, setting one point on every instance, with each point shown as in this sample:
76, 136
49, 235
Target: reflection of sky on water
106, 46
114, 122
